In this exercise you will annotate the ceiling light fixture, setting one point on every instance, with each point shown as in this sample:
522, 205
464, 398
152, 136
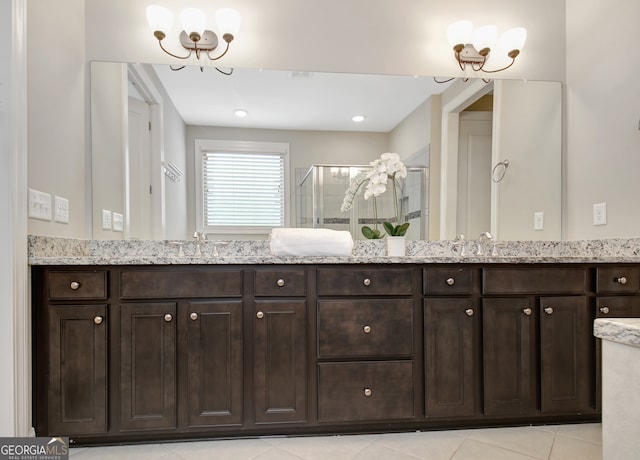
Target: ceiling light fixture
358, 118
195, 38
472, 46
240, 113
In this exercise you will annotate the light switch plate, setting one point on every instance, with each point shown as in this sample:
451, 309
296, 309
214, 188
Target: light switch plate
118, 222
39, 205
61, 210
106, 219
600, 214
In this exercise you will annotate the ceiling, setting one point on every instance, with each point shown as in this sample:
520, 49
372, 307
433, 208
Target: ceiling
294, 100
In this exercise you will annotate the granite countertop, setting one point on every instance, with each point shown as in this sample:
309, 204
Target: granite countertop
45, 250
620, 330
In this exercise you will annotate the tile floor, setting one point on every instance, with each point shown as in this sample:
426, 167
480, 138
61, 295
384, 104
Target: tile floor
554, 442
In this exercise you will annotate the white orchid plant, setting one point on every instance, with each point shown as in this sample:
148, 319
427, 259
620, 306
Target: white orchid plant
387, 167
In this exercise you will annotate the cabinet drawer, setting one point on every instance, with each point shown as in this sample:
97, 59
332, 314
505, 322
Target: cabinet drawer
180, 283
365, 391
361, 281
618, 280
68, 285
282, 282
535, 280
448, 281
365, 328
618, 307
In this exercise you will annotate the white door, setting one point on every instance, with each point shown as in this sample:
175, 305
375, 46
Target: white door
138, 187
474, 174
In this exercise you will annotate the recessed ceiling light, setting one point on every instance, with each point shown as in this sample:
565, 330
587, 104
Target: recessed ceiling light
240, 113
358, 118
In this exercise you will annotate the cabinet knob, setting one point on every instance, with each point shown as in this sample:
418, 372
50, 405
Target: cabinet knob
622, 280
366, 282
260, 315
604, 310
98, 320
168, 317
367, 392
193, 316
549, 310
527, 311
367, 329
451, 281
469, 311
280, 282
74, 285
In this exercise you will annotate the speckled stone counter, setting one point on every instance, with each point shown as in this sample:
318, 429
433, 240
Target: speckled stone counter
620, 396
64, 251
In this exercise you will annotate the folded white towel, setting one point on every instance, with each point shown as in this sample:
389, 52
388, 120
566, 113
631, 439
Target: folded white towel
310, 242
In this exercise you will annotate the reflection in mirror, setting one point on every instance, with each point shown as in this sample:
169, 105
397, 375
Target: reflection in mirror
404, 115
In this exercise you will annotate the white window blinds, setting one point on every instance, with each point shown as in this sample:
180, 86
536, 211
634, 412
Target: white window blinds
243, 189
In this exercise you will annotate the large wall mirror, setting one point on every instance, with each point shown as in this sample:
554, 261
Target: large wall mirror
145, 120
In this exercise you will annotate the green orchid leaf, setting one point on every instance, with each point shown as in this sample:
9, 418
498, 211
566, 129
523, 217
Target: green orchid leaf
389, 228
370, 233
401, 230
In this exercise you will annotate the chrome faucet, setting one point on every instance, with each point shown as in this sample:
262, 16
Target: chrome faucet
200, 237
484, 236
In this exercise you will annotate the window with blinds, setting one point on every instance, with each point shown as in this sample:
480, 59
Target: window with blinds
242, 190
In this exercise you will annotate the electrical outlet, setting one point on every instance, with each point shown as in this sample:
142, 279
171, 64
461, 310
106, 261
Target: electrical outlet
61, 207
118, 222
39, 205
106, 219
600, 214
538, 220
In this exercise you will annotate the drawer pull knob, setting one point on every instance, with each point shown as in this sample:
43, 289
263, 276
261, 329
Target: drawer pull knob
193, 316
280, 282
98, 320
548, 310
74, 285
367, 329
622, 280
168, 317
260, 315
469, 311
604, 310
367, 282
527, 311
367, 392
451, 281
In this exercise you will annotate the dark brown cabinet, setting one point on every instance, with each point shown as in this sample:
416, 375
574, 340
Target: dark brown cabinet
143, 353
509, 332
280, 365
148, 371
76, 395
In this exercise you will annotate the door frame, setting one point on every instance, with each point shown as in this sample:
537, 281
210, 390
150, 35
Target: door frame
139, 75
449, 156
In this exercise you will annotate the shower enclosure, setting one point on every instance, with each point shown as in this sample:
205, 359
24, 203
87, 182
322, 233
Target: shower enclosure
320, 193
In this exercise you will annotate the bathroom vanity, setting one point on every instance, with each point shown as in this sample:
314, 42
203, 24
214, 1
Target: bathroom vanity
176, 348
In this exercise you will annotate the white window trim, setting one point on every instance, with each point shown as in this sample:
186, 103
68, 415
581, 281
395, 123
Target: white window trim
208, 145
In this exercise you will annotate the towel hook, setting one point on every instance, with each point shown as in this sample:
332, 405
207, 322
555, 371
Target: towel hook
501, 172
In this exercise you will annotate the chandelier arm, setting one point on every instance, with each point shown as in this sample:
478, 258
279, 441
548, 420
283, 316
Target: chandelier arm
460, 63
500, 70
171, 54
216, 58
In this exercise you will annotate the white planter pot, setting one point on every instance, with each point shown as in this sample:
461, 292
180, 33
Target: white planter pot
396, 246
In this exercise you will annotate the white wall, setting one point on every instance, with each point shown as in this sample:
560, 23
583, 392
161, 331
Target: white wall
57, 103
366, 36
602, 116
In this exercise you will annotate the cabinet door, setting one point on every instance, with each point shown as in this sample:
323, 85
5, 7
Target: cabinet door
566, 354
148, 366
77, 393
509, 355
451, 344
280, 366
214, 357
